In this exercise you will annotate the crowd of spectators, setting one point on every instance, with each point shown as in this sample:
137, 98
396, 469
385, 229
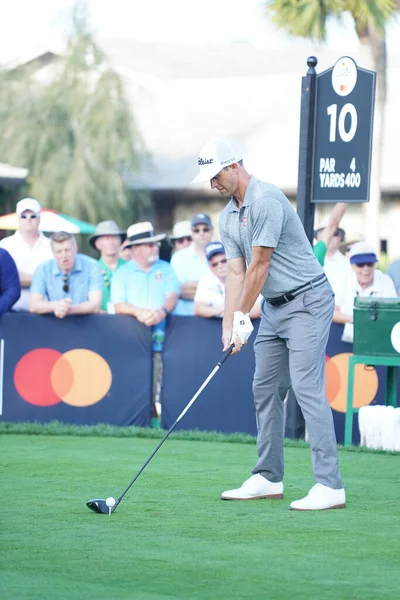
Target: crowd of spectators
47, 275
129, 277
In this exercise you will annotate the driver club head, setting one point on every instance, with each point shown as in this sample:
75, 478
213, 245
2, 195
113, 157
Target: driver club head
100, 506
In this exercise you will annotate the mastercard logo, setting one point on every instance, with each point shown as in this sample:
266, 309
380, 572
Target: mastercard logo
365, 383
79, 377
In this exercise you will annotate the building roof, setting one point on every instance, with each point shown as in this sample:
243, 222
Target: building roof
183, 95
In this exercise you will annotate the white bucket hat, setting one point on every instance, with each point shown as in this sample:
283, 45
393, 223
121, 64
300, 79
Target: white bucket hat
213, 157
181, 229
142, 233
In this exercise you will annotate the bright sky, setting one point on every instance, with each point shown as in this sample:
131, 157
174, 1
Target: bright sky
29, 24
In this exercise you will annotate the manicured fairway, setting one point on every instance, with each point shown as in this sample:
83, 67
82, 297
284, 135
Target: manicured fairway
173, 538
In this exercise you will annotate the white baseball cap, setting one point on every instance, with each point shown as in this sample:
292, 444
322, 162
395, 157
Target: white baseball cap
362, 252
27, 204
214, 156
181, 229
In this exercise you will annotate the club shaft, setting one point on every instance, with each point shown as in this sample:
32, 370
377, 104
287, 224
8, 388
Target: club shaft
170, 430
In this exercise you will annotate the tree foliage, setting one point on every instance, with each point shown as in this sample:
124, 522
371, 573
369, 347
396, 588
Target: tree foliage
73, 128
308, 18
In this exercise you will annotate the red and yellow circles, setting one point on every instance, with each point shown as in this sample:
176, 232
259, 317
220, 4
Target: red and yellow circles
365, 383
80, 377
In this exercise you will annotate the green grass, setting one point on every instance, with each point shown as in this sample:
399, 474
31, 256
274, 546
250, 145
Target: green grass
172, 537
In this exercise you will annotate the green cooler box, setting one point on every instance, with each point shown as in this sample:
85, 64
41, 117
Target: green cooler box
374, 320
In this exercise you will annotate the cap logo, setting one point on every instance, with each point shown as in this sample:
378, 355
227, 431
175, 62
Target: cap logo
206, 161
228, 161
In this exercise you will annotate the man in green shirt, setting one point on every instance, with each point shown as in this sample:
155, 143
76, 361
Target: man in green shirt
321, 247
107, 240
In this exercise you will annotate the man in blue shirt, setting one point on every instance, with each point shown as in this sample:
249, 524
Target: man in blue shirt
69, 284
190, 264
146, 287
10, 287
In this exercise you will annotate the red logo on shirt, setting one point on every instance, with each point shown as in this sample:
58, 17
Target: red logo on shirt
244, 221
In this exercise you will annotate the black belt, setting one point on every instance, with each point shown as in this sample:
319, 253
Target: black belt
289, 296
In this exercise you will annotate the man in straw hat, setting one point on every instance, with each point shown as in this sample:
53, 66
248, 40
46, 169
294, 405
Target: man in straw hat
107, 240
147, 288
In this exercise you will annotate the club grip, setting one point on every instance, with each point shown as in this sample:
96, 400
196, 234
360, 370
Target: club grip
225, 355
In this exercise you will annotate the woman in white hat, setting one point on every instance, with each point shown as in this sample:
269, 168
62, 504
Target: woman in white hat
363, 280
181, 235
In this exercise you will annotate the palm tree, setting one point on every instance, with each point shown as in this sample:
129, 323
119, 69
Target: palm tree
306, 19
75, 131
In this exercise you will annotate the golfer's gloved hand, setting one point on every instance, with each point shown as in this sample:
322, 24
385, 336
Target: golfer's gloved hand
242, 327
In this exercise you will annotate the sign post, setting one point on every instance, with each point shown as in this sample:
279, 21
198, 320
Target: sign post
336, 122
343, 133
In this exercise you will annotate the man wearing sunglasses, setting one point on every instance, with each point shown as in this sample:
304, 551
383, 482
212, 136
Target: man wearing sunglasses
190, 264
28, 247
209, 300
68, 284
363, 280
268, 252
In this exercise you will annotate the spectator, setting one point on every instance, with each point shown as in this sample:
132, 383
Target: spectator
125, 251
107, 240
394, 274
69, 284
326, 234
336, 264
146, 287
28, 247
209, 300
363, 280
346, 245
181, 235
190, 264
10, 287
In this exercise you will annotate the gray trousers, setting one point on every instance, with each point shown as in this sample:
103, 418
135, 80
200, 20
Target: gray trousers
290, 347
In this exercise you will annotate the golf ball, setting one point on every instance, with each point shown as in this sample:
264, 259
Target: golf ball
110, 502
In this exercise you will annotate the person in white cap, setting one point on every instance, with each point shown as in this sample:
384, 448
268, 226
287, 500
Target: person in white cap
181, 235
209, 300
365, 281
29, 247
268, 252
190, 264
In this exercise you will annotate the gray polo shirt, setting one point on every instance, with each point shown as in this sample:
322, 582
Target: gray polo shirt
267, 219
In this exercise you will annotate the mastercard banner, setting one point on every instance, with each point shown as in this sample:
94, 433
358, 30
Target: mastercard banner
79, 370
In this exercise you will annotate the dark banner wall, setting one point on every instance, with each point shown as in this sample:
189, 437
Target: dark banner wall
98, 369
79, 370
192, 348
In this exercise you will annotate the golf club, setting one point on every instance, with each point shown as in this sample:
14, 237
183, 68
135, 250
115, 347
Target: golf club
101, 506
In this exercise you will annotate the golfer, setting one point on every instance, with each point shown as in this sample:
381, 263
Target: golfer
268, 253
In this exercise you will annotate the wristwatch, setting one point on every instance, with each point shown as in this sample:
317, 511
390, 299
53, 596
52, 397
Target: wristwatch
165, 310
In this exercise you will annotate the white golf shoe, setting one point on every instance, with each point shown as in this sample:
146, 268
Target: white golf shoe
321, 497
254, 488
